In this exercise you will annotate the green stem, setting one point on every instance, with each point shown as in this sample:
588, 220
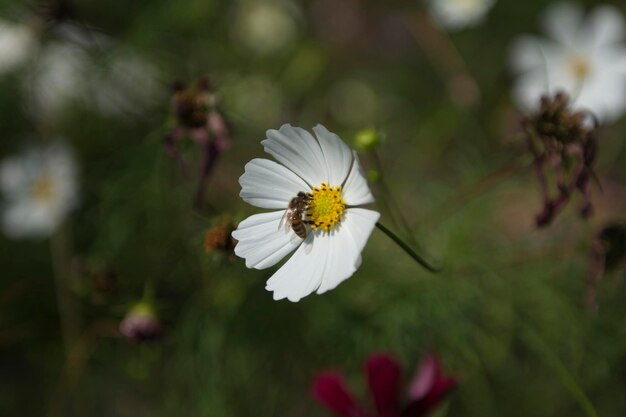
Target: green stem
148, 291
382, 185
391, 205
69, 308
409, 251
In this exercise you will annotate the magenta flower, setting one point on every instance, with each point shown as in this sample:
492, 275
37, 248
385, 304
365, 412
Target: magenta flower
428, 388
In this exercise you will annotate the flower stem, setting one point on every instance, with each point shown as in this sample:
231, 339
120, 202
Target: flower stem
69, 308
417, 258
390, 202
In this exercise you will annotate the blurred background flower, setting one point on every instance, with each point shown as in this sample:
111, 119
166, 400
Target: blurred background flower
40, 188
458, 14
67, 63
264, 27
583, 56
426, 392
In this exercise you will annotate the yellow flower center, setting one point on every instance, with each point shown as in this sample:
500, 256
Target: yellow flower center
580, 67
43, 188
326, 207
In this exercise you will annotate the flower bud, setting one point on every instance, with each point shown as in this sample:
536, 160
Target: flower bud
141, 323
367, 139
373, 175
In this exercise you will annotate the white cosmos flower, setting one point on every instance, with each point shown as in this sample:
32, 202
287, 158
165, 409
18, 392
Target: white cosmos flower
585, 57
457, 14
326, 168
40, 189
81, 66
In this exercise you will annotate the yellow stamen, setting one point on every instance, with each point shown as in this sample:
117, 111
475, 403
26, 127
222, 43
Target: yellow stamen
580, 67
43, 188
326, 207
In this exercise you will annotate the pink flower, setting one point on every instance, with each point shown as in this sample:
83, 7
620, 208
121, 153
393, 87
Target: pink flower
428, 388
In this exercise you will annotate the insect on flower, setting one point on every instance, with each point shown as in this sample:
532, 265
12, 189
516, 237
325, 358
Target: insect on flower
293, 216
315, 188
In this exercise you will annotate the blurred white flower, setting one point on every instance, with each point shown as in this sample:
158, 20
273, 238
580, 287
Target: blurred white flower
264, 26
40, 188
584, 57
325, 170
59, 76
17, 42
83, 66
457, 14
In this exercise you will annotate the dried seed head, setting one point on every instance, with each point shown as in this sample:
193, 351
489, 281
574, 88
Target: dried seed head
218, 238
564, 141
556, 124
189, 107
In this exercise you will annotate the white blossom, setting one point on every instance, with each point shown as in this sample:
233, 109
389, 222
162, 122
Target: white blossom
77, 65
40, 188
323, 167
457, 14
584, 56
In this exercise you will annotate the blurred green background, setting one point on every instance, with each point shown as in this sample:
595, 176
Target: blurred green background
506, 315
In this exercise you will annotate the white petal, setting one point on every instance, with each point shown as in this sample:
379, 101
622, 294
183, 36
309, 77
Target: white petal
528, 90
346, 246
28, 219
360, 222
261, 242
562, 21
355, 190
332, 259
13, 178
338, 155
302, 273
606, 26
267, 184
456, 14
343, 259
298, 150
528, 53
605, 95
